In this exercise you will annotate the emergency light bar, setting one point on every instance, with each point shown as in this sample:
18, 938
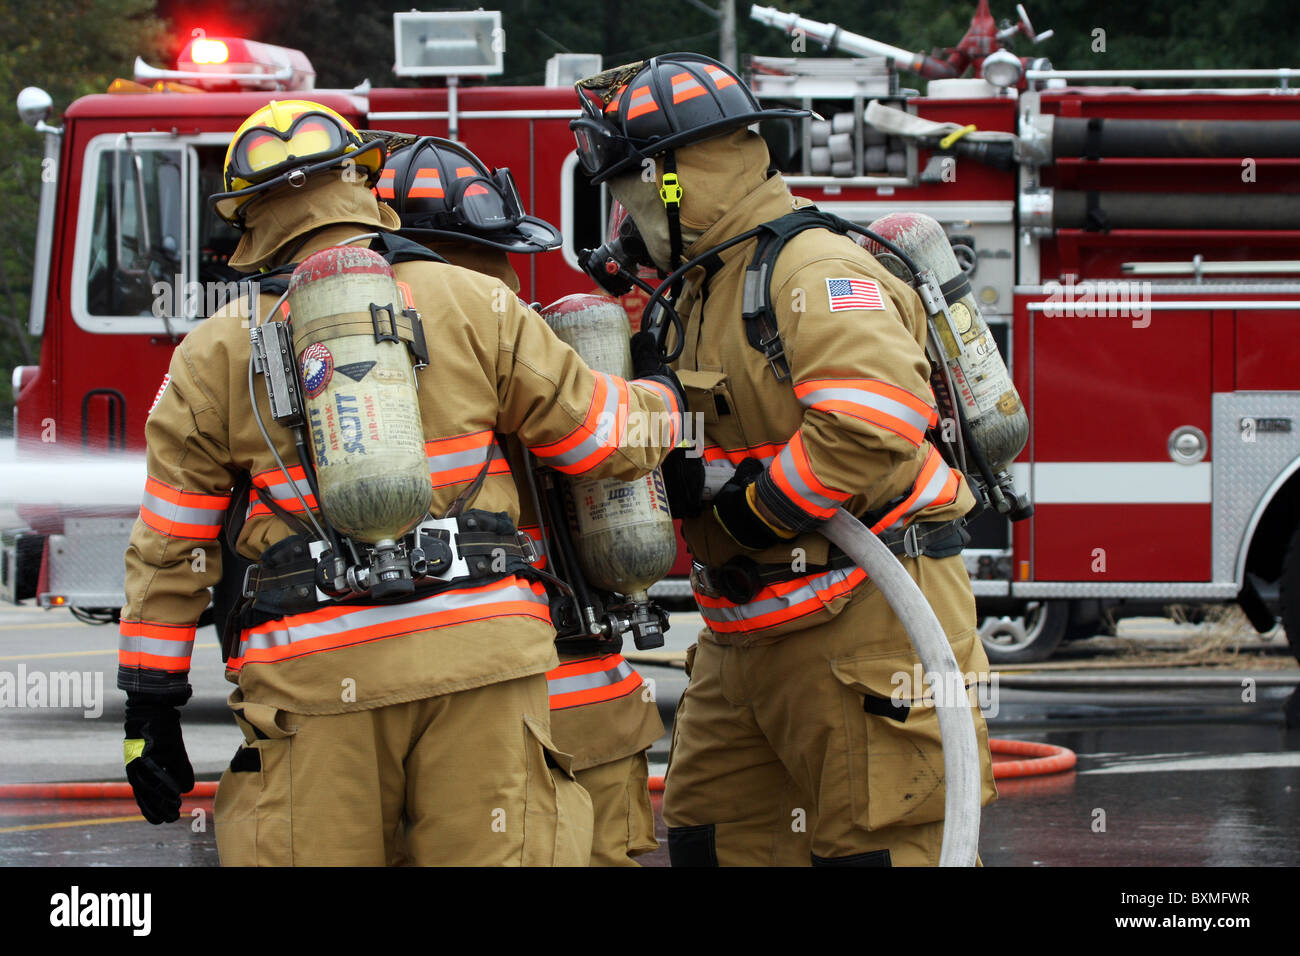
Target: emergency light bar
226, 63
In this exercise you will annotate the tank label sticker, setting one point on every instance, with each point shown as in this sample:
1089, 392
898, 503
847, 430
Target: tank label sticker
317, 369
848, 293
355, 370
606, 504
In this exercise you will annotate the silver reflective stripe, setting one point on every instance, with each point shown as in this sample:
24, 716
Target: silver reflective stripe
567, 685
928, 494
807, 592
461, 459
156, 646
174, 513
288, 632
872, 400
791, 474
283, 494
599, 437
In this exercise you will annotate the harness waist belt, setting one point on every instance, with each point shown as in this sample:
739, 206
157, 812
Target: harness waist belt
741, 578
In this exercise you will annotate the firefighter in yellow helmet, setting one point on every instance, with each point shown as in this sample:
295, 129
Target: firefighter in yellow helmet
419, 716
787, 746
599, 712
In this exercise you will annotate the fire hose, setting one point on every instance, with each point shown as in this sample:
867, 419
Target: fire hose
956, 726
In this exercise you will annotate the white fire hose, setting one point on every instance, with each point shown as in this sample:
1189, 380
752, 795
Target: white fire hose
961, 763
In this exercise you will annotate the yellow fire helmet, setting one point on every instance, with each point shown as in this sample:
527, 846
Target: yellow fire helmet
285, 142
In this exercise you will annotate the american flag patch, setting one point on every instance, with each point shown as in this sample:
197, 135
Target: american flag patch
854, 294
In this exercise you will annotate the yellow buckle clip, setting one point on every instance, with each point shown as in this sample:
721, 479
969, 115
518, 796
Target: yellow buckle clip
671, 191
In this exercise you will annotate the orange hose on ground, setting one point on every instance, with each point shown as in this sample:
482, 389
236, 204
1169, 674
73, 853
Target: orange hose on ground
88, 791
1046, 759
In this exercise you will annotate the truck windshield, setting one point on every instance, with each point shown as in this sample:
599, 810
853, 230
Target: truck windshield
137, 232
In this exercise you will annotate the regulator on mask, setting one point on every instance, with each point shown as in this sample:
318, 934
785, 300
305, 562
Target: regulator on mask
616, 265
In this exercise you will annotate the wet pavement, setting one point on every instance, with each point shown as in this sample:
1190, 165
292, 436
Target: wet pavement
1166, 775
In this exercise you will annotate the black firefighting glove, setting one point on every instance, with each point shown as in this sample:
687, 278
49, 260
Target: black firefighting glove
683, 469
157, 766
736, 509
648, 362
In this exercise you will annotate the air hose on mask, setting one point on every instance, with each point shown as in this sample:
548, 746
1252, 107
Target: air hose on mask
961, 764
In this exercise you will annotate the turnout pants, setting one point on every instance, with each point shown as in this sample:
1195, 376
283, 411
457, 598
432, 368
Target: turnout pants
818, 747
624, 818
464, 779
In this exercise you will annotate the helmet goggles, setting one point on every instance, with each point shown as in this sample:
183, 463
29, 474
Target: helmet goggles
263, 151
481, 203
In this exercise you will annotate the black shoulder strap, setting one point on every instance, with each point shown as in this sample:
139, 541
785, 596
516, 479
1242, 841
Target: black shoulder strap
395, 249
756, 305
392, 247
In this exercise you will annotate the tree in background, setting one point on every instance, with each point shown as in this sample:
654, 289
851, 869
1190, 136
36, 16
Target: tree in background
68, 48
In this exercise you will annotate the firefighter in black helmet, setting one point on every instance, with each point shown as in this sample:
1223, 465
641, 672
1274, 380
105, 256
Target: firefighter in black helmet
789, 745
451, 202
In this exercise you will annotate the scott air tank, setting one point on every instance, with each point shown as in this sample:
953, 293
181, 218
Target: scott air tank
994, 413
362, 408
622, 530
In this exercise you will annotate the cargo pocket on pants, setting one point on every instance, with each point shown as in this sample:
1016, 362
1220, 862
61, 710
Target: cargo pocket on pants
252, 811
896, 770
558, 820
640, 811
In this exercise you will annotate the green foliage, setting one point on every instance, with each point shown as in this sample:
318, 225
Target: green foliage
68, 48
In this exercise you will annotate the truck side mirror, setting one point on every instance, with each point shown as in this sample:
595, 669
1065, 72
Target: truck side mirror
34, 106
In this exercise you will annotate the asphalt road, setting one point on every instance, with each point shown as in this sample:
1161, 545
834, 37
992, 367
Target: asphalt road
1166, 776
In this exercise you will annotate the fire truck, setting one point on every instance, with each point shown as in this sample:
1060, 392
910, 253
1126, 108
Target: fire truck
1132, 239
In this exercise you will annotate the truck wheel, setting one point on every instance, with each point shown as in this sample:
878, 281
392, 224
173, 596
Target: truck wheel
1032, 636
1289, 592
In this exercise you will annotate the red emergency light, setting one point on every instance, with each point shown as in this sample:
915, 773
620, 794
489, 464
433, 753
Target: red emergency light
232, 63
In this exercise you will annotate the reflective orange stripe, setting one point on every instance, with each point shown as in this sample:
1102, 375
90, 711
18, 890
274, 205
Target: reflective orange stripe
779, 603
463, 171
426, 184
182, 514
581, 432
823, 500
879, 403
933, 462
642, 102
452, 476
161, 647
329, 628
764, 452
591, 681
385, 185
686, 87
720, 79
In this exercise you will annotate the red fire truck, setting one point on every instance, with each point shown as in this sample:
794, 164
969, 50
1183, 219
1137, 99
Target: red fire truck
1133, 245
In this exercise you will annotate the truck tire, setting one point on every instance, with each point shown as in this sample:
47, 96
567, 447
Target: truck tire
1289, 593
1031, 636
